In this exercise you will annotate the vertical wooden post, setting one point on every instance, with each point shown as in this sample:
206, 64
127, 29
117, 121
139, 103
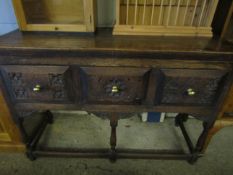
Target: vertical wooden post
135, 12
113, 137
202, 12
144, 12
186, 10
89, 16
118, 12
127, 12
169, 12
194, 12
152, 13
213, 7
177, 12
161, 12
113, 124
18, 7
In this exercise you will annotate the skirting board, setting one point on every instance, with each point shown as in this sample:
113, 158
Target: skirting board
162, 31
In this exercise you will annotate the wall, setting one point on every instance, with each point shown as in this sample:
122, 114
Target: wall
106, 13
7, 18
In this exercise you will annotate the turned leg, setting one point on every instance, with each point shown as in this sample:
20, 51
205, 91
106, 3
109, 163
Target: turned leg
113, 138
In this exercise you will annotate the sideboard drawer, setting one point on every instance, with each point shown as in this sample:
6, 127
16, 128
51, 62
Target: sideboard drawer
191, 87
36, 83
114, 85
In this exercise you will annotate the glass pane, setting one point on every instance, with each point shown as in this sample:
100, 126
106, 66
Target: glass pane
54, 11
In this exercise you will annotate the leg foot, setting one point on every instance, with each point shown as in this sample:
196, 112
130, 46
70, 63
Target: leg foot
49, 116
194, 158
113, 156
30, 155
113, 138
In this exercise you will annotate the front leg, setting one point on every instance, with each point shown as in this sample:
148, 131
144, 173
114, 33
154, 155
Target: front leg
113, 138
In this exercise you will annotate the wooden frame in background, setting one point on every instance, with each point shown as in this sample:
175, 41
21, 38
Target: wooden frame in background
168, 19
87, 26
10, 137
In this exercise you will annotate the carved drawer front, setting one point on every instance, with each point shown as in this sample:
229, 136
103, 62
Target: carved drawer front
105, 85
36, 83
191, 87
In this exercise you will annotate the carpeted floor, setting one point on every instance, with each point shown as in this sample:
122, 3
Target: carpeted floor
85, 130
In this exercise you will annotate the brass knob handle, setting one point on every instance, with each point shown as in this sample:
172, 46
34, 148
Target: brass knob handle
37, 88
191, 92
115, 89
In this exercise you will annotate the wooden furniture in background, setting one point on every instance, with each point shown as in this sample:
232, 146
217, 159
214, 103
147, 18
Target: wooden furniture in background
50, 15
223, 20
227, 31
165, 17
10, 137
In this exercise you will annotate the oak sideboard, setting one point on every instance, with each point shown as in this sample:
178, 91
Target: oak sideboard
115, 74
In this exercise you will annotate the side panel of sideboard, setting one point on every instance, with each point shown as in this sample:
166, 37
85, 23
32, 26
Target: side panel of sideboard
225, 118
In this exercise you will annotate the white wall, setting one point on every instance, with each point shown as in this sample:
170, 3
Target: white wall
106, 13
7, 18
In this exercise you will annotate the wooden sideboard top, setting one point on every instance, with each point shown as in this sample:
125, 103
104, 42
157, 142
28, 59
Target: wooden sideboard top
103, 40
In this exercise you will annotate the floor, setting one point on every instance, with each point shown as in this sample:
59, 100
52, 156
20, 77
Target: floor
84, 130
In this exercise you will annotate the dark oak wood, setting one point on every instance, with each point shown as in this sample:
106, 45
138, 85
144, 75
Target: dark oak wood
130, 85
191, 87
22, 81
105, 73
225, 118
222, 18
113, 137
227, 31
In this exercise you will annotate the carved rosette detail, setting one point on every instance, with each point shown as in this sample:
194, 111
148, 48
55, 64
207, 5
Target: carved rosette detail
16, 82
20, 93
57, 84
56, 80
118, 84
15, 78
211, 88
22, 90
59, 94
